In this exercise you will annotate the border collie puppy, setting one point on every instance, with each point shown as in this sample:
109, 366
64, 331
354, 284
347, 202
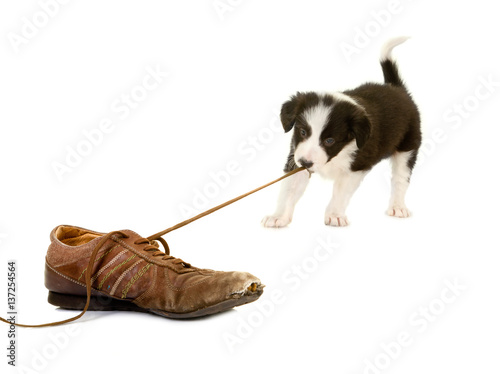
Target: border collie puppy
342, 135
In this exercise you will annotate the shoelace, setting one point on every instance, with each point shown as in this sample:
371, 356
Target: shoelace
151, 246
88, 284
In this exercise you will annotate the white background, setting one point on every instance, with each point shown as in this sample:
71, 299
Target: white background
228, 73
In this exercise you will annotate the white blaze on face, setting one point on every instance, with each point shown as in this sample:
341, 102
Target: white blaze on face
310, 149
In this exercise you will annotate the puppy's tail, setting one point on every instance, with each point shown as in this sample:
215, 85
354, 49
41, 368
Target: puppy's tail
389, 67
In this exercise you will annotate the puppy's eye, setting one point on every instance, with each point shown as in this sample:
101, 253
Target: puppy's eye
328, 141
303, 132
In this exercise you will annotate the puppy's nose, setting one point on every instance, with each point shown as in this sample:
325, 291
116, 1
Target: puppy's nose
305, 163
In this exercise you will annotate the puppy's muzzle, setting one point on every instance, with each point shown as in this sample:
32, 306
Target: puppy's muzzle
306, 163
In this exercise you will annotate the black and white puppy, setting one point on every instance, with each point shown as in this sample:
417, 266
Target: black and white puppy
342, 135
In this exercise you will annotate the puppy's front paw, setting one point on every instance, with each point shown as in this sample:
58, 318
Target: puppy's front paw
275, 221
336, 220
400, 212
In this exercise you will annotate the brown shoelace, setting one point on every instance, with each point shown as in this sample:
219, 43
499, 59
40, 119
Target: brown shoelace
152, 245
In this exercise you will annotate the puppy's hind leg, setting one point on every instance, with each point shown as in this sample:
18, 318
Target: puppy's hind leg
402, 165
291, 191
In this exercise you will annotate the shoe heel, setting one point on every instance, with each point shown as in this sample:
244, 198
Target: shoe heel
97, 302
77, 302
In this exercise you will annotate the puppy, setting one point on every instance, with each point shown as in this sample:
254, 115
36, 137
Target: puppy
342, 135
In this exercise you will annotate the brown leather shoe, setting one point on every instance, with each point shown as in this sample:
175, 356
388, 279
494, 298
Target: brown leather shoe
128, 272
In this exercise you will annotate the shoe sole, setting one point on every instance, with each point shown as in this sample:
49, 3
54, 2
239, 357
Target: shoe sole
107, 303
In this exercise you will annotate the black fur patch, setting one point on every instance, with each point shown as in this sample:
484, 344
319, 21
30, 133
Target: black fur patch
394, 119
391, 73
298, 104
386, 121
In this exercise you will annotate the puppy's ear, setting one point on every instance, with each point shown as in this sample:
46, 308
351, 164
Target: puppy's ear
361, 128
289, 112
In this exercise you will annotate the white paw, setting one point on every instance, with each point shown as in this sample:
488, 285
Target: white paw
400, 212
275, 221
336, 220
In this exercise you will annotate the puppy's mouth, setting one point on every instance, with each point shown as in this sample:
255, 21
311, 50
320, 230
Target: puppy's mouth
308, 165
310, 171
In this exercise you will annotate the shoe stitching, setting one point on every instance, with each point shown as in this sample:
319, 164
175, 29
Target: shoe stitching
103, 269
112, 270
118, 281
139, 299
104, 254
64, 276
134, 279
